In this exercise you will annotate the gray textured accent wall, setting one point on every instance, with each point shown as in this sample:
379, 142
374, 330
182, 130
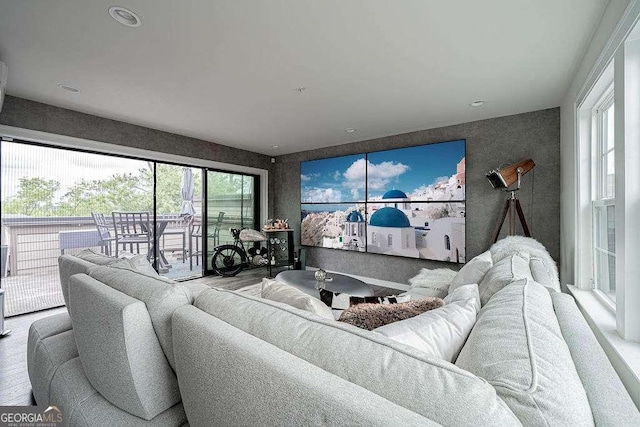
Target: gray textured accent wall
32, 115
490, 143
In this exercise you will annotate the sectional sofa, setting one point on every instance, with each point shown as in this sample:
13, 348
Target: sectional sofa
139, 350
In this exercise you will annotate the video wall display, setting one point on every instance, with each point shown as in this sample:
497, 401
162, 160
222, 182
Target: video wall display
408, 202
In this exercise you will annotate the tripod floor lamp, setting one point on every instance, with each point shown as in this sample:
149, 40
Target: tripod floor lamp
503, 178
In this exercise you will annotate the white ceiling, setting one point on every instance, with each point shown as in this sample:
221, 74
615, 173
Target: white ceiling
226, 70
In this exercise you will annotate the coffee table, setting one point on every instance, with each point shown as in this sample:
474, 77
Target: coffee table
305, 280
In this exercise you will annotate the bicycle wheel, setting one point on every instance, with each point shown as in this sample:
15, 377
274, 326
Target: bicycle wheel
227, 260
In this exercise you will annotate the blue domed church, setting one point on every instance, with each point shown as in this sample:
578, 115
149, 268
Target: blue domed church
354, 232
389, 230
397, 199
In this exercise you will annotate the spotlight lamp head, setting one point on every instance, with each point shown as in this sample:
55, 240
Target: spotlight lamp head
503, 178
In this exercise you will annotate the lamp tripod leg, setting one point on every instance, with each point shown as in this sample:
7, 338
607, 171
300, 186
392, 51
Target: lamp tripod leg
512, 216
523, 221
503, 216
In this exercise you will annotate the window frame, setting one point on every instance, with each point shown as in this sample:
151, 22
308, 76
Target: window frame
600, 197
621, 69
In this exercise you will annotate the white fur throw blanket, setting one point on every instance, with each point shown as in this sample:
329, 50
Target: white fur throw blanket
543, 267
441, 281
431, 283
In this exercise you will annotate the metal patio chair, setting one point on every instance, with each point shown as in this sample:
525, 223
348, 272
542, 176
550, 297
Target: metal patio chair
104, 228
132, 228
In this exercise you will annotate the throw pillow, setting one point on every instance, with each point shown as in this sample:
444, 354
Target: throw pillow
433, 282
95, 257
443, 331
138, 267
370, 316
473, 271
276, 291
342, 301
142, 264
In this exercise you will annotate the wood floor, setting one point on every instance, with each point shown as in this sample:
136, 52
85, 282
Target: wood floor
15, 388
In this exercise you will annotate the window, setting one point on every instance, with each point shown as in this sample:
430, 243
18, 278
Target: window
603, 197
390, 240
447, 242
608, 185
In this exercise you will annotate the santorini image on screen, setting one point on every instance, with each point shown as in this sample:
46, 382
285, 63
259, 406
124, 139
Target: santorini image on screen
408, 202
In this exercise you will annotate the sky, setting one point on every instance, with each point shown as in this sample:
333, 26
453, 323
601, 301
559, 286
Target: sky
66, 167
343, 179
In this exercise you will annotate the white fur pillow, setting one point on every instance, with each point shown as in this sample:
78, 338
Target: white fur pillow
276, 291
431, 283
443, 331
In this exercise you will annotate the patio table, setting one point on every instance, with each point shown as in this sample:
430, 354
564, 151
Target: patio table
162, 262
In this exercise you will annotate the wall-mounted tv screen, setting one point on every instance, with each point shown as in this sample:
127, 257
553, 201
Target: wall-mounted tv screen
406, 202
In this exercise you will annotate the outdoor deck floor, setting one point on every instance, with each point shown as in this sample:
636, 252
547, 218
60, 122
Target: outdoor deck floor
40, 291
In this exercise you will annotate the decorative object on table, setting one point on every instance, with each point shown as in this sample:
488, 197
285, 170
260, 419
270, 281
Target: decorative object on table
321, 275
417, 211
502, 178
371, 316
276, 224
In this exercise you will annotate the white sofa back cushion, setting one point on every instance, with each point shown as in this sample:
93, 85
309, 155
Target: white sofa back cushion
398, 373
440, 332
119, 350
502, 273
276, 291
517, 346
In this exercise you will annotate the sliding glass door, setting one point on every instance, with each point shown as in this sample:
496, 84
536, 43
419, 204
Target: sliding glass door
231, 203
59, 201
178, 213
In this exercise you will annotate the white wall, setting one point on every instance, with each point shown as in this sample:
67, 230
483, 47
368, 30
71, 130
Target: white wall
612, 15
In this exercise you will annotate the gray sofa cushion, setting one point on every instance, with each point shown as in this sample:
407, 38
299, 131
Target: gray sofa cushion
160, 297
517, 346
119, 350
50, 344
96, 258
610, 402
68, 265
401, 374
82, 405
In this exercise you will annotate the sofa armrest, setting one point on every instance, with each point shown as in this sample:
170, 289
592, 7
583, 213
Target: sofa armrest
609, 400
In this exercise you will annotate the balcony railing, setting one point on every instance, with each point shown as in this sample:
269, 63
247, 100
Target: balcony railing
35, 243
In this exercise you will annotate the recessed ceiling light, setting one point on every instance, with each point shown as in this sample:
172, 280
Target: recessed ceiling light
125, 16
69, 88
275, 146
476, 104
350, 130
